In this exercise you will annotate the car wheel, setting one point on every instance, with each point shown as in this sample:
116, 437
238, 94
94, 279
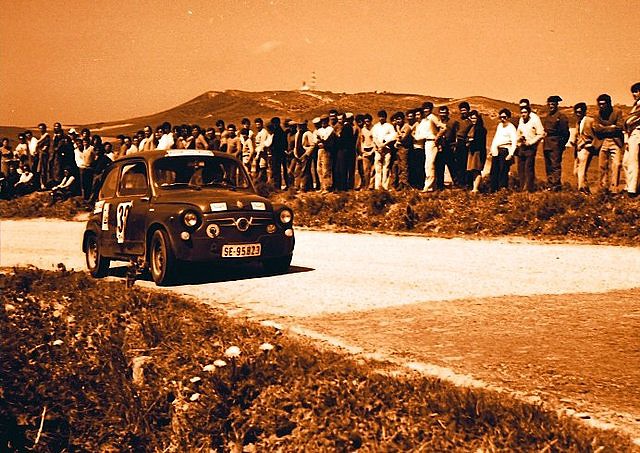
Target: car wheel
277, 265
97, 264
161, 259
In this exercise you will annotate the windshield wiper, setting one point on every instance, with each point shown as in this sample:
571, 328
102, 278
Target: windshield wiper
225, 184
180, 184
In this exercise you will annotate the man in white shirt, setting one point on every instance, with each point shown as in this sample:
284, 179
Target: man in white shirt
427, 131
326, 140
530, 133
260, 162
383, 134
166, 141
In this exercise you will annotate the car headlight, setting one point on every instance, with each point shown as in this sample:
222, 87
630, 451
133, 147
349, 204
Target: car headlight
286, 216
190, 219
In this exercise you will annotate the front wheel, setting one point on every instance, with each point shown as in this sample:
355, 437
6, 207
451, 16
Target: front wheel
97, 264
277, 265
161, 259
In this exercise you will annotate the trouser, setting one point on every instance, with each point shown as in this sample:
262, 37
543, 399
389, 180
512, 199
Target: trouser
460, 156
430, 155
382, 166
444, 158
315, 179
499, 175
301, 170
610, 158
526, 168
581, 167
416, 167
364, 169
340, 170
86, 181
279, 170
402, 163
553, 166
630, 161
43, 169
351, 169
325, 169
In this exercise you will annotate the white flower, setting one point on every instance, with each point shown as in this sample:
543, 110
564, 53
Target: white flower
266, 347
209, 368
194, 397
57, 343
195, 379
220, 363
232, 352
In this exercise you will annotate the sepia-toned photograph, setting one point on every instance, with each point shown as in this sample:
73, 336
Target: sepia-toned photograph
294, 225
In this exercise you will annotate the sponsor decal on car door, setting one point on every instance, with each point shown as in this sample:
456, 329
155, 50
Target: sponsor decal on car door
122, 213
105, 216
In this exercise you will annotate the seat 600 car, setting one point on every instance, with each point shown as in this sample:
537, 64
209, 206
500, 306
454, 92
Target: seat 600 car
163, 208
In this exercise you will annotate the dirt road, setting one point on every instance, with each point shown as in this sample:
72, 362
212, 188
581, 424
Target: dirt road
558, 323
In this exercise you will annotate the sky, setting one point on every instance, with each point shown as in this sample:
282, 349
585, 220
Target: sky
82, 61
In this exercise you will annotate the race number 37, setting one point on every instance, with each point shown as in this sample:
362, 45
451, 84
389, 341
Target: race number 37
122, 213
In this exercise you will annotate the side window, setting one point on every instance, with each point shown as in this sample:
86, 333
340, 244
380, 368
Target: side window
108, 189
133, 180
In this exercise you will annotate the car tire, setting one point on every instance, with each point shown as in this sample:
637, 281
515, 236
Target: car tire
277, 265
161, 259
97, 264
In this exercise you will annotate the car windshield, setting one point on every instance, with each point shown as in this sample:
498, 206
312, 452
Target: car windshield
198, 172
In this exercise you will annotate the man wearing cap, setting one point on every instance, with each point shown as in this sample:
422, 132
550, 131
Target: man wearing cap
585, 145
384, 135
632, 143
304, 145
556, 127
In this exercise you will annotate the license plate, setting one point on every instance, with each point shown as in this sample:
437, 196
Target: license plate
241, 250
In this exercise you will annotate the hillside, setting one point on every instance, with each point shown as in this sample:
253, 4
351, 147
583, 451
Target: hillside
232, 105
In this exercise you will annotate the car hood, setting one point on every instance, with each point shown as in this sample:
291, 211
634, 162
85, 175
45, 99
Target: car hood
209, 200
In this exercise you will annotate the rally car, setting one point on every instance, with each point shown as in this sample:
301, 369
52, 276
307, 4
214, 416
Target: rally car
159, 209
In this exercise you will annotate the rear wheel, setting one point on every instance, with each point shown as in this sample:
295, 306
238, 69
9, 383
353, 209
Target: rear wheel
277, 265
161, 259
97, 264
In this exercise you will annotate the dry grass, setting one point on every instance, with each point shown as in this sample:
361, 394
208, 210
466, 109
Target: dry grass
69, 343
549, 215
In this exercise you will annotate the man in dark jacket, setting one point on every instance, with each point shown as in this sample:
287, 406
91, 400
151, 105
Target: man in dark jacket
608, 129
279, 156
556, 128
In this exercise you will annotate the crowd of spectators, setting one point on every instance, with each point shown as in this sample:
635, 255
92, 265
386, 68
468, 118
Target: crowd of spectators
412, 149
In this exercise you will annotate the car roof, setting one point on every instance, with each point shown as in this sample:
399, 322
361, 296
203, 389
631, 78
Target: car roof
159, 154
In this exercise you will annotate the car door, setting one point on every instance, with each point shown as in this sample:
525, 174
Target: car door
106, 202
131, 208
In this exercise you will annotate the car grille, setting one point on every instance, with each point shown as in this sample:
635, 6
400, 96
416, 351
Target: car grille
241, 221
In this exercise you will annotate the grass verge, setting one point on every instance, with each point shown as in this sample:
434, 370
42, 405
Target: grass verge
571, 215
37, 205
89, 365
546, 215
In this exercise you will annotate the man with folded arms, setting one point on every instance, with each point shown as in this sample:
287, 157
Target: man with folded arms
608, 129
